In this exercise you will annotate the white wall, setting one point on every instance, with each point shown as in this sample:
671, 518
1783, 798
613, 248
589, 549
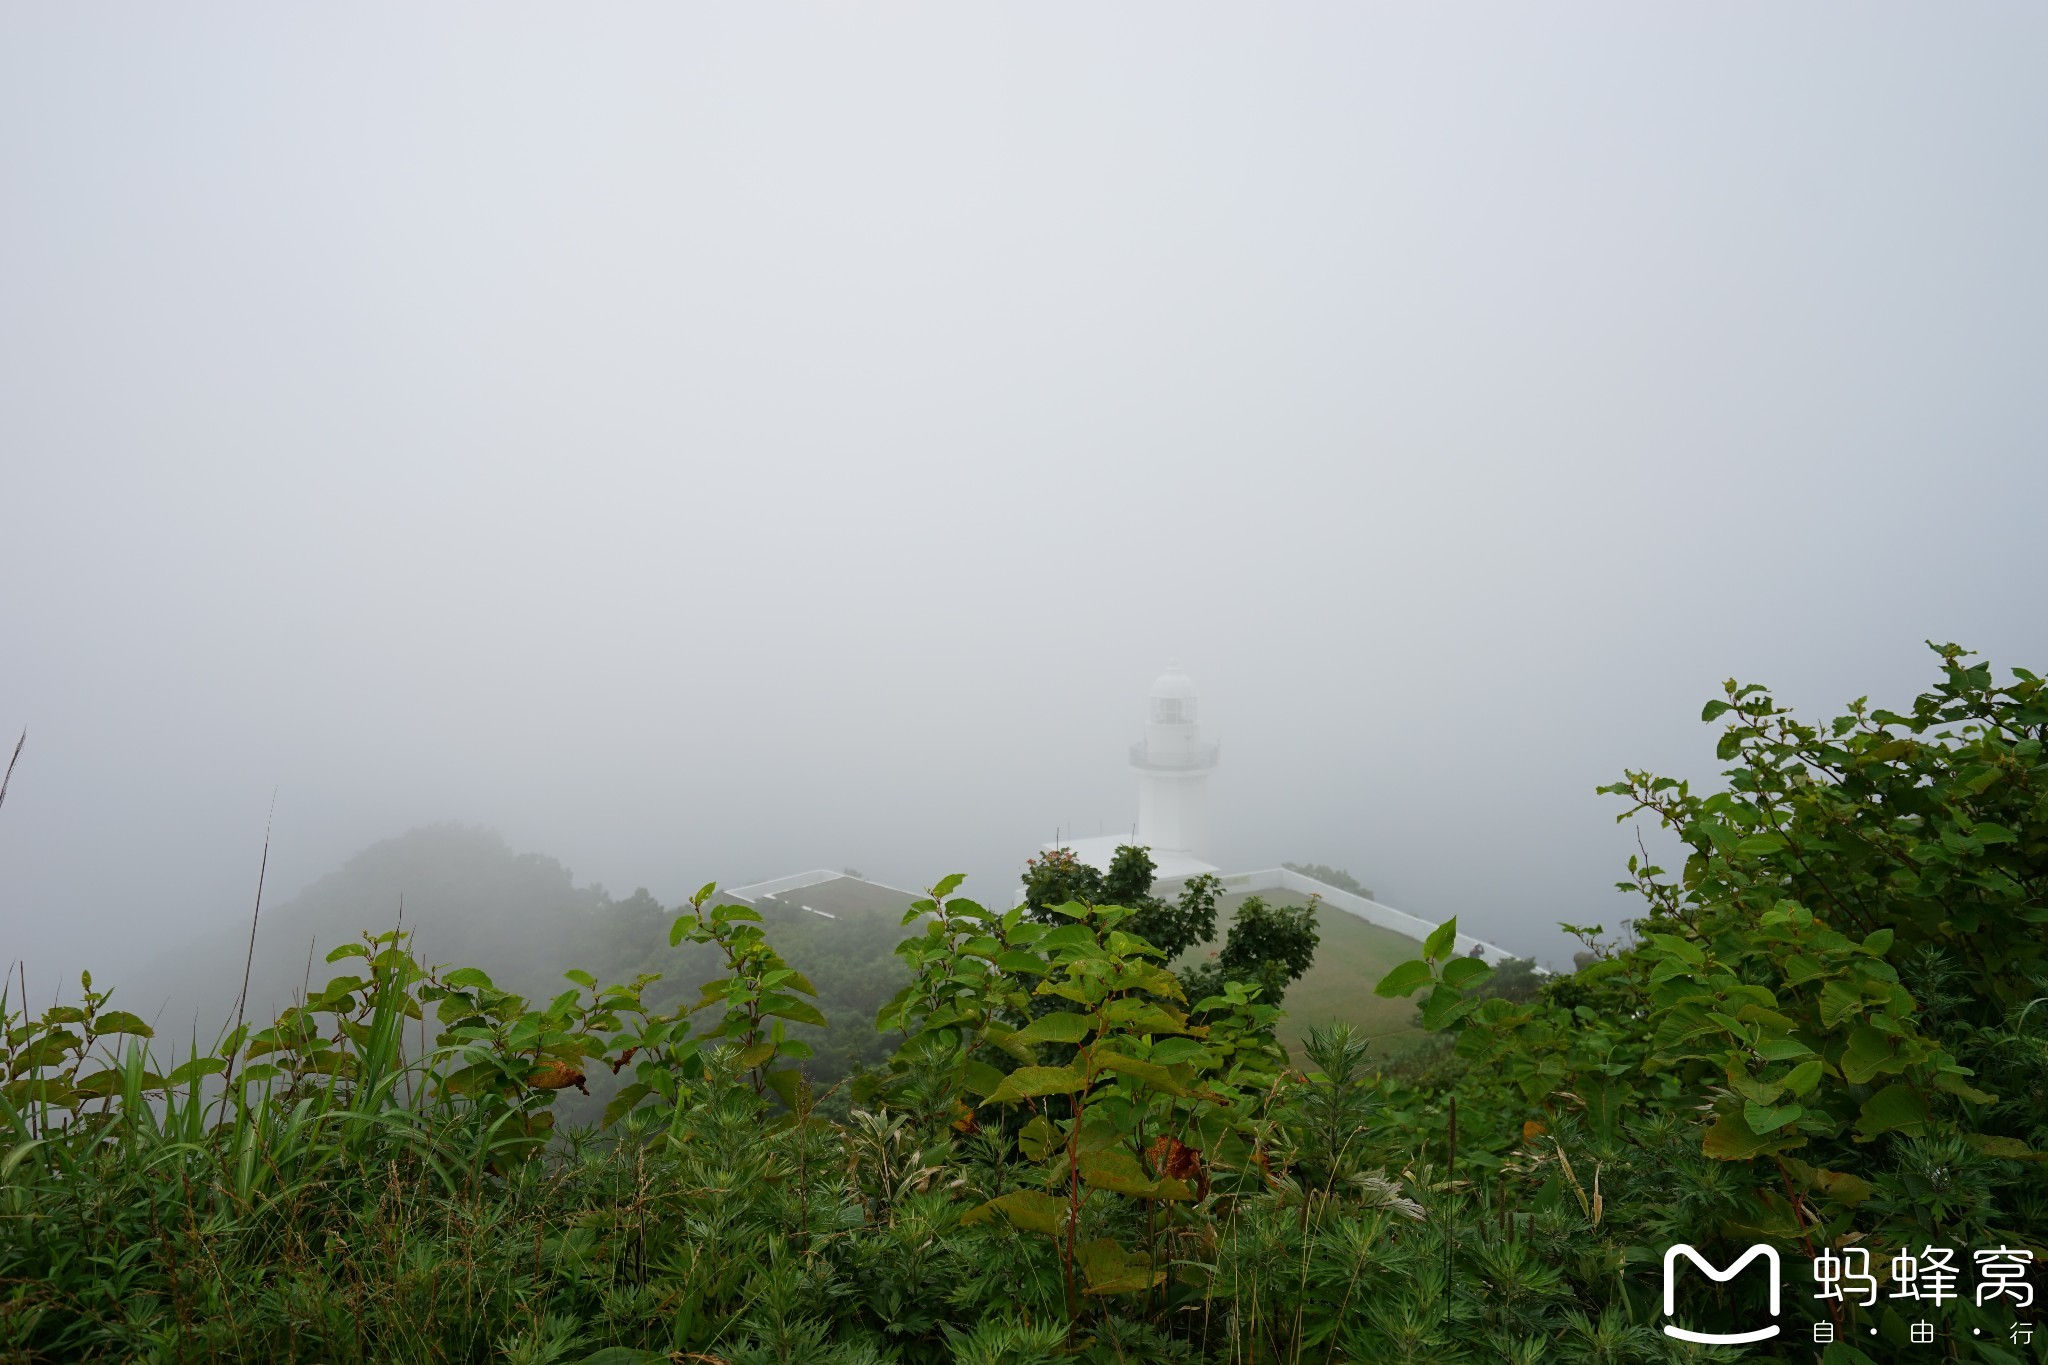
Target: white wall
1385, 916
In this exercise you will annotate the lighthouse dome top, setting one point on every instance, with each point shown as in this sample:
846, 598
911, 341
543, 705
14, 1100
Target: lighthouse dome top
1174, 685
1172, 698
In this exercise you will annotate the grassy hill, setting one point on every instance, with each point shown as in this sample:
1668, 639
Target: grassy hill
468, 898
1351, 958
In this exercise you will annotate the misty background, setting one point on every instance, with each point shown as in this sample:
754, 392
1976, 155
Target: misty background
718, 442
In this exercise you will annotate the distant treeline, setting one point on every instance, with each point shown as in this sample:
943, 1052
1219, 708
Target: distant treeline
1331, 876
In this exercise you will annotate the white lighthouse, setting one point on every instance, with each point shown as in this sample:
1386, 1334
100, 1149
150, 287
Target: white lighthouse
1173, 763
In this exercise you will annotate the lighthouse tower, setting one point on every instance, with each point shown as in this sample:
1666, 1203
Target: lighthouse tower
1173, 763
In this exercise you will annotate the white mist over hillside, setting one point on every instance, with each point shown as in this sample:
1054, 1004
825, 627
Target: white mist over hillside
711, 442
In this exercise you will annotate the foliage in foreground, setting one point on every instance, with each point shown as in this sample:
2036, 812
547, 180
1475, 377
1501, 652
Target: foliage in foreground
1830, 1031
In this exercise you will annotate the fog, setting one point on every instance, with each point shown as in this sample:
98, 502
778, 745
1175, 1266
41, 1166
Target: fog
714, 442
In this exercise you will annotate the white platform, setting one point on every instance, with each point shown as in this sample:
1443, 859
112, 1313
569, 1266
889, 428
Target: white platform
797, 881
1098, 851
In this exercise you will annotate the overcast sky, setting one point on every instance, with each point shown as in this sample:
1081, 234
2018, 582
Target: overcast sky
711, 442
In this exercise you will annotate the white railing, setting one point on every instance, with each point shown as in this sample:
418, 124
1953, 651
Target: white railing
1202, 755
797, 881
775, 886
1371, 911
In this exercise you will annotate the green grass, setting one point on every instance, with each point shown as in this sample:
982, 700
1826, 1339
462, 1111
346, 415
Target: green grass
1351, 958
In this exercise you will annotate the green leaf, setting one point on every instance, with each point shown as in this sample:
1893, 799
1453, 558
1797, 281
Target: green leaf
623, 1102
1081, 992
1062, 1027
800, 1011
1030, 1081
467, 978
195, 1068
1462, 971
1752, 1089
1442, 941
36, 1090
757, 1054
349, 950
1758, 844
1149, 976
1404, 979
623, 1355
1110, 1269
1019, 961
1684, 950
1799, 968
1844, 1188
1116, 1170
2003, 1148
1766, 1215
1764, 1119
1897, 1107
1732, 1139
979, 1078
1802, 1078
948, 884
782, 1084
121, 1021
1182, 1051
1606, 1100
581, 978
983, 946
1445, 1007
1869, 1052
1956, 1085
1038, 1138
1838, 1001
1150, 1073
111, 1081
1031, 1210
1143, 1016
1006, 1039
1879, 942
